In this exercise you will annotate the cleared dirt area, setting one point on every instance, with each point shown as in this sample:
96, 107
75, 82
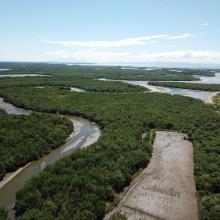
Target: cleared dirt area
166, 188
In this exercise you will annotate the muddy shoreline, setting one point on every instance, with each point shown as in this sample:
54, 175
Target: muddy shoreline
9, 176
210, 98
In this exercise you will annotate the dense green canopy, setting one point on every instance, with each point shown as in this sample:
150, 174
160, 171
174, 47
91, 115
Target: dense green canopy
83, 185
26, 138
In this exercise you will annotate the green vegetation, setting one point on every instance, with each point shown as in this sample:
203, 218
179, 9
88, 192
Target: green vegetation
84, 185
119, 216
195, 72
3, 214
26, 138
94, 72
216, 100
67, 82
211, 207
80, 186
183, 85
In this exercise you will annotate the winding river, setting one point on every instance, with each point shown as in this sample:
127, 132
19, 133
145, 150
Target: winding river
205, 96
197, 94
85, 133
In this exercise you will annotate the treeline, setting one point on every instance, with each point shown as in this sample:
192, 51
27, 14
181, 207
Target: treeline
26, 138
197, 72
188, 71
183, 85
67, 82
83, 185
216, 100
94, 72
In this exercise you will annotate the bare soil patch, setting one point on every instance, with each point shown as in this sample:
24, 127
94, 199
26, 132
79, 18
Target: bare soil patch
166, 188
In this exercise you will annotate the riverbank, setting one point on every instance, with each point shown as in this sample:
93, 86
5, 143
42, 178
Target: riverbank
9, 176
84, 134
210, 98
205, 96
13, 182
166, 188
11, 109
86, 141
121, 151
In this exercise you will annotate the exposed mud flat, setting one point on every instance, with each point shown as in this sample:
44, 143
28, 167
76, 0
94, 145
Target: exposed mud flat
74, 89
210, 98
166, 188
9, 176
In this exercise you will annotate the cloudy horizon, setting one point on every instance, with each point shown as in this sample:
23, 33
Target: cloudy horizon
139, 32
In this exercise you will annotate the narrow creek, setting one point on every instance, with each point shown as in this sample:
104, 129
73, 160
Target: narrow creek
85, 133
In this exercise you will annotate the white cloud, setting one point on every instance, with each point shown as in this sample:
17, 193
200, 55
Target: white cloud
204, 24
117, 43
183, 36
191, 56
188, 56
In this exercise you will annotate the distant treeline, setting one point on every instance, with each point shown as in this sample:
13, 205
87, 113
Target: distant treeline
67, 82
183, 85
84, 185
94, 72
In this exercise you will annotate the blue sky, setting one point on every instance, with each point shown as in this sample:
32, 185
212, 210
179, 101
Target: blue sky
110, 31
